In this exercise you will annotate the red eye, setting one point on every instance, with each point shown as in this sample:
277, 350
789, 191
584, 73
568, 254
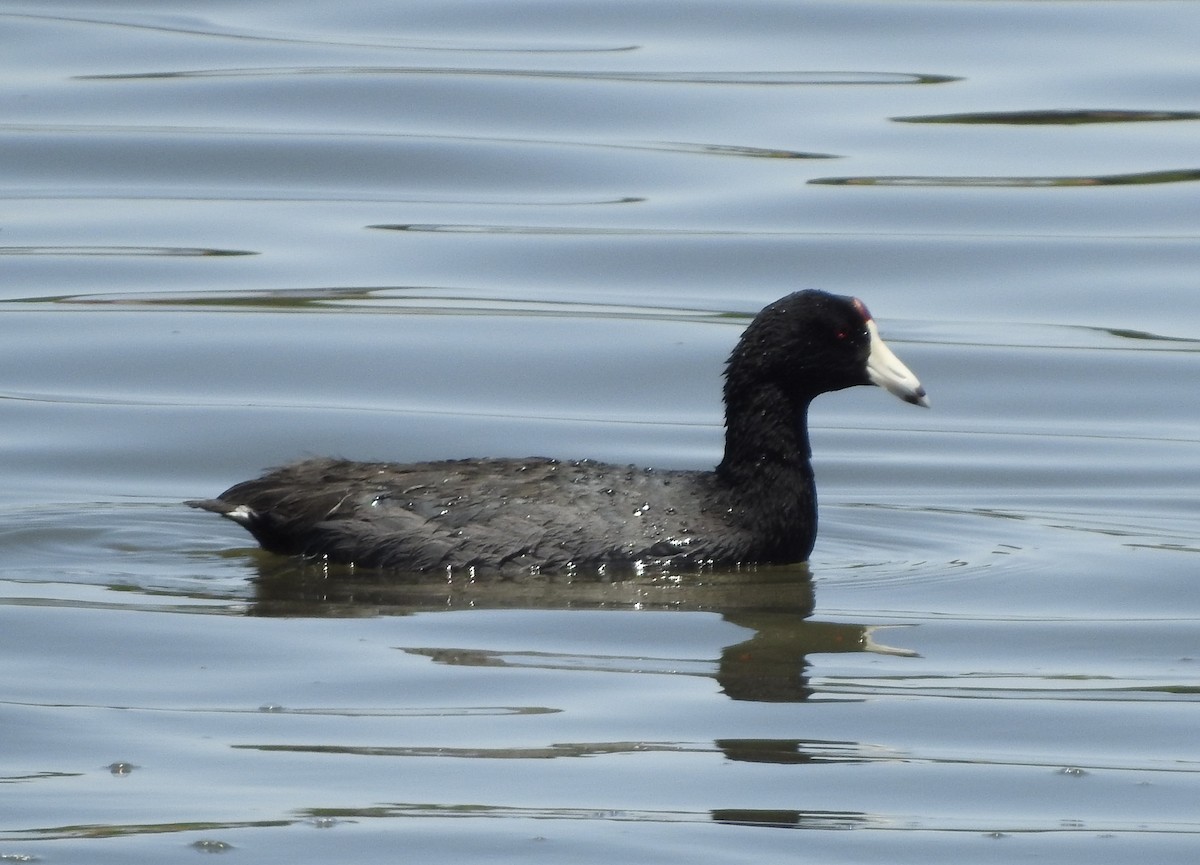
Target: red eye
841, 334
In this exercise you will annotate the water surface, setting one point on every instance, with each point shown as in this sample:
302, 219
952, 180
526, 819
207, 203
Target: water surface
235, 236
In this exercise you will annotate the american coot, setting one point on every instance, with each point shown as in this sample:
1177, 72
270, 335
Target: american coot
537, 514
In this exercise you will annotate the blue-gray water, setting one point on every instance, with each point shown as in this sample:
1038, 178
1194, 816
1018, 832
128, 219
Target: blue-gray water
236, 234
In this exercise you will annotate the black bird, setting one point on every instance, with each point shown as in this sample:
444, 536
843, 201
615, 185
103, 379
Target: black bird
546, 515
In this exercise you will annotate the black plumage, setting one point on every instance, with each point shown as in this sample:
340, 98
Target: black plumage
510, 515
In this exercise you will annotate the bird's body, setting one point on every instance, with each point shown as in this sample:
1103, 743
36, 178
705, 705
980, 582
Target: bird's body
520, 514
509, 515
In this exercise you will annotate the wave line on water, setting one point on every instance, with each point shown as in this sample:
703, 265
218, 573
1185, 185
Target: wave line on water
686, 147
184, 251
1179, 175
721, 78
282, 38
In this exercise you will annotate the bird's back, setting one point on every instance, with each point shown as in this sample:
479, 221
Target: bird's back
503, 515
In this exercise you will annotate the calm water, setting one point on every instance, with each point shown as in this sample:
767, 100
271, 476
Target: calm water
237, 234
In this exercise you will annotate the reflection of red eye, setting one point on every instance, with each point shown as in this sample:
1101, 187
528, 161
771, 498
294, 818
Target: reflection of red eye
841, 334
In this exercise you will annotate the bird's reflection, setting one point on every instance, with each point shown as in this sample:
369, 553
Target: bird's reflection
774, 603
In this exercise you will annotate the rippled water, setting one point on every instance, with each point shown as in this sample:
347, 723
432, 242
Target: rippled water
237, 235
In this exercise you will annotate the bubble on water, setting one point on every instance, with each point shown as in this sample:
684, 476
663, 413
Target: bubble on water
323, 822
207, 845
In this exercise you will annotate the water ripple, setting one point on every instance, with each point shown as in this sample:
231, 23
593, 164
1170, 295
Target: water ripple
185, 251
208, 30
1052, 118
192, 131
731, 77
1181, 175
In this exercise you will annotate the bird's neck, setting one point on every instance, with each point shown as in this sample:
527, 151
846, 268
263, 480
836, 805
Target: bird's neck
765, 430
766, 469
